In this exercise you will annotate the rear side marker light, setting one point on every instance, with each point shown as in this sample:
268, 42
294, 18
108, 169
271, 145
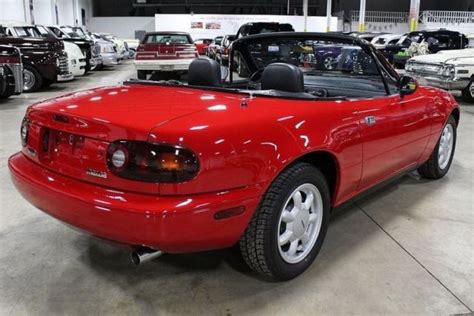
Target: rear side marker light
230, 212
25, 125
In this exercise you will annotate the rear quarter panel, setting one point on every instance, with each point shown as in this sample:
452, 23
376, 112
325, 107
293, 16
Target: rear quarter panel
244, 145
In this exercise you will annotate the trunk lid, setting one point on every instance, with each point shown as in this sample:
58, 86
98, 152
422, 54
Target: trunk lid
71, 134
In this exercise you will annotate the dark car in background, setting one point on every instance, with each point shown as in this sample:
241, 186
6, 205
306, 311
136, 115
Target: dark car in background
87, 46
11, 71
436, 41
44, 60
253, 28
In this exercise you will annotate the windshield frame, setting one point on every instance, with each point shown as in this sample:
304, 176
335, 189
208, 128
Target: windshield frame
241, 45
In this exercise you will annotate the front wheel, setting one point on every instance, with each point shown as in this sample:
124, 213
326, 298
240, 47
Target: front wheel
468, 92
287, 230
440, 160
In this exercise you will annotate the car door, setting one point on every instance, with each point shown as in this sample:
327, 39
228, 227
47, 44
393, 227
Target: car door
394, 132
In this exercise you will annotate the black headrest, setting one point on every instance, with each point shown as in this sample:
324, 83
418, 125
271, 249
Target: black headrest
283, 77
204, 72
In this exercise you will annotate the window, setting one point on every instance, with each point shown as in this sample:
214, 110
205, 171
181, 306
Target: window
167, 38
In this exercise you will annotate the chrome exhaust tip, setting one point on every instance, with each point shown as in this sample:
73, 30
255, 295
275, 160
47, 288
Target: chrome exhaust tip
144, 254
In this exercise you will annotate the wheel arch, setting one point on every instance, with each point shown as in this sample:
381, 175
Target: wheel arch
456, 114
326, 162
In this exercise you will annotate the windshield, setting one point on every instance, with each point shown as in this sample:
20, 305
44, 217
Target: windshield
406, 40
70, 32
31, 31
167, 38
314, 56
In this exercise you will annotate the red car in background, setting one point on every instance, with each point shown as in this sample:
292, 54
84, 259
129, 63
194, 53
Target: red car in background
164, 52
202, 44
257, 163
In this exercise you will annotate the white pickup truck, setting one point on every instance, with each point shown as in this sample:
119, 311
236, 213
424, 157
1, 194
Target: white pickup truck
448, 69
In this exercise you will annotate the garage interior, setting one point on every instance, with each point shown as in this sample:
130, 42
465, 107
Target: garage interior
404, 248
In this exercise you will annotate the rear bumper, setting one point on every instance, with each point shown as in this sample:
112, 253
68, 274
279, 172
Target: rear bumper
164, 64
110, 59
168, 223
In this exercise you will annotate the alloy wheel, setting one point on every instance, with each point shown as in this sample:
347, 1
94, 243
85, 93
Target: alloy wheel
446, 144
300, 223
29, 80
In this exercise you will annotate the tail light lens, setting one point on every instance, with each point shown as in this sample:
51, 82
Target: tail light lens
159, 163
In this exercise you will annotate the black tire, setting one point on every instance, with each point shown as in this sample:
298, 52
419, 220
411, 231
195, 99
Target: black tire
468, 92
141, 74
36, 80
259, 244
431, 169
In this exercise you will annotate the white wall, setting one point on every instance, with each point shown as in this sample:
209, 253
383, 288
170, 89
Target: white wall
12, 11
229, 24
43, 11
122, 27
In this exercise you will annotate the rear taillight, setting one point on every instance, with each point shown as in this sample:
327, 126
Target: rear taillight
159, 163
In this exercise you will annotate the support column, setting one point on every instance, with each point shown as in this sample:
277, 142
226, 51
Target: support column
328, 15
414, 14
288, 7
362, 16
305, 14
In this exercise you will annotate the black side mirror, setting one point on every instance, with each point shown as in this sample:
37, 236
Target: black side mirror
407, 85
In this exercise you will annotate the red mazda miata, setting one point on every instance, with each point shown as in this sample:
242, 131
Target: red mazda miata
256, 161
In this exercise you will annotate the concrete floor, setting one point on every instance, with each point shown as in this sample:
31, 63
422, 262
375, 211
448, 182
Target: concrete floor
407, 249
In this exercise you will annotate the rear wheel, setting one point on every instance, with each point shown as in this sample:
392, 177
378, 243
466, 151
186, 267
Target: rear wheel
287, 231
141, 74
440, 160
468, 92
32, 80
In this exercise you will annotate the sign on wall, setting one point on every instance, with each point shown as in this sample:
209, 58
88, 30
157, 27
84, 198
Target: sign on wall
210, 25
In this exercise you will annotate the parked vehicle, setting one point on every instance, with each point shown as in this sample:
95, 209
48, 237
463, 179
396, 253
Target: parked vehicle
202, 44
165, 52
214, 47
258, 164
383, 40
87, 46
108, 51
122, 47
222, 55
365, 35
44, 60
449, 70
435, 40
11, 71
253, 28
132, 46
76, 60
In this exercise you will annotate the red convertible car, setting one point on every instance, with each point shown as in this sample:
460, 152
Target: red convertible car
257, 163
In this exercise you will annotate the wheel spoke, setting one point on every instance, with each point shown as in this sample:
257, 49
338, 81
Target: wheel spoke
309, 200
293, 248
305, 238
313, 217
285, 237
298, 200
287, 216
